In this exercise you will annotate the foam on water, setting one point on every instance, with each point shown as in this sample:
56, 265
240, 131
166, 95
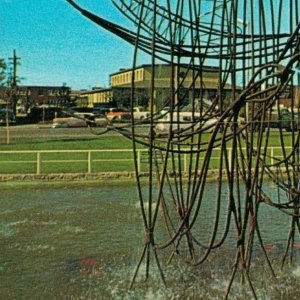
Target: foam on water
19, 222
6, 211
31, 222
11, 228
65, 228
6, 231
296, 272
32, 247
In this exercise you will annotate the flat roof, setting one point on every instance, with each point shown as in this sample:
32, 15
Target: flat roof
95, 91
204, 68
44, 86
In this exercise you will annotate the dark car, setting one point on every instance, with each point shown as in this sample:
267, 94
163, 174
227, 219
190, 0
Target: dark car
7, 115
285, 120
100, 111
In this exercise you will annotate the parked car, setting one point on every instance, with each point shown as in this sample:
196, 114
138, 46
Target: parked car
7, 115
118, 114
76, 120
285, 120
99, 120
140, 114
183, 120
294, 120
100, 110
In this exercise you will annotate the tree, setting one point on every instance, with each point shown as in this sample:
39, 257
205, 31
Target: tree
122, 96
2, 72
63, 96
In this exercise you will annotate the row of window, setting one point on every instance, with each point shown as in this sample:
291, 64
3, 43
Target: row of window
40, 92
100, 97
126, 78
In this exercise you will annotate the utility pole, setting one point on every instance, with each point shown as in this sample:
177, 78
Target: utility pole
11, 103
15, 62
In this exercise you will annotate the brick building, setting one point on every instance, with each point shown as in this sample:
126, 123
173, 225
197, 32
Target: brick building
36, 96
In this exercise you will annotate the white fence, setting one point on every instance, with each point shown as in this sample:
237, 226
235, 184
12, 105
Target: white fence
87, 158
37, 158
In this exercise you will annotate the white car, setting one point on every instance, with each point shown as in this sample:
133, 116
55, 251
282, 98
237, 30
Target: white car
184, 120
77, 120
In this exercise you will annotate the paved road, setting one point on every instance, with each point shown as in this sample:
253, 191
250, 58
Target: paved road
31, 131
45, 131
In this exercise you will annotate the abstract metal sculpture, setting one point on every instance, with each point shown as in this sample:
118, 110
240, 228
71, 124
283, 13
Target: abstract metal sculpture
254, 52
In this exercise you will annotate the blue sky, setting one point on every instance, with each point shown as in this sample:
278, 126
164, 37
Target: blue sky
58, 45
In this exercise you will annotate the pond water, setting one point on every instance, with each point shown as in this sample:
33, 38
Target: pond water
83, 242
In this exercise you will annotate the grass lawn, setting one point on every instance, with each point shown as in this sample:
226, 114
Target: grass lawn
80, 143
110, 161
101, 142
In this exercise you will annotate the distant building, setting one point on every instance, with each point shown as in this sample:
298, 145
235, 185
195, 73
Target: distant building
4, 95
36, 96
119, 91
206, 84
285, 98
296, 95
95, 96
77, 99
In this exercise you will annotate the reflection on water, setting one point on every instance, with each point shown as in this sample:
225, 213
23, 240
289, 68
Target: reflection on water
84, 242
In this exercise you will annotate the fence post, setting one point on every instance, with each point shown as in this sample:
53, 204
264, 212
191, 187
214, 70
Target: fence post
185, 162
229, 156
272, 155
38, 162
89, 162
139, 160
